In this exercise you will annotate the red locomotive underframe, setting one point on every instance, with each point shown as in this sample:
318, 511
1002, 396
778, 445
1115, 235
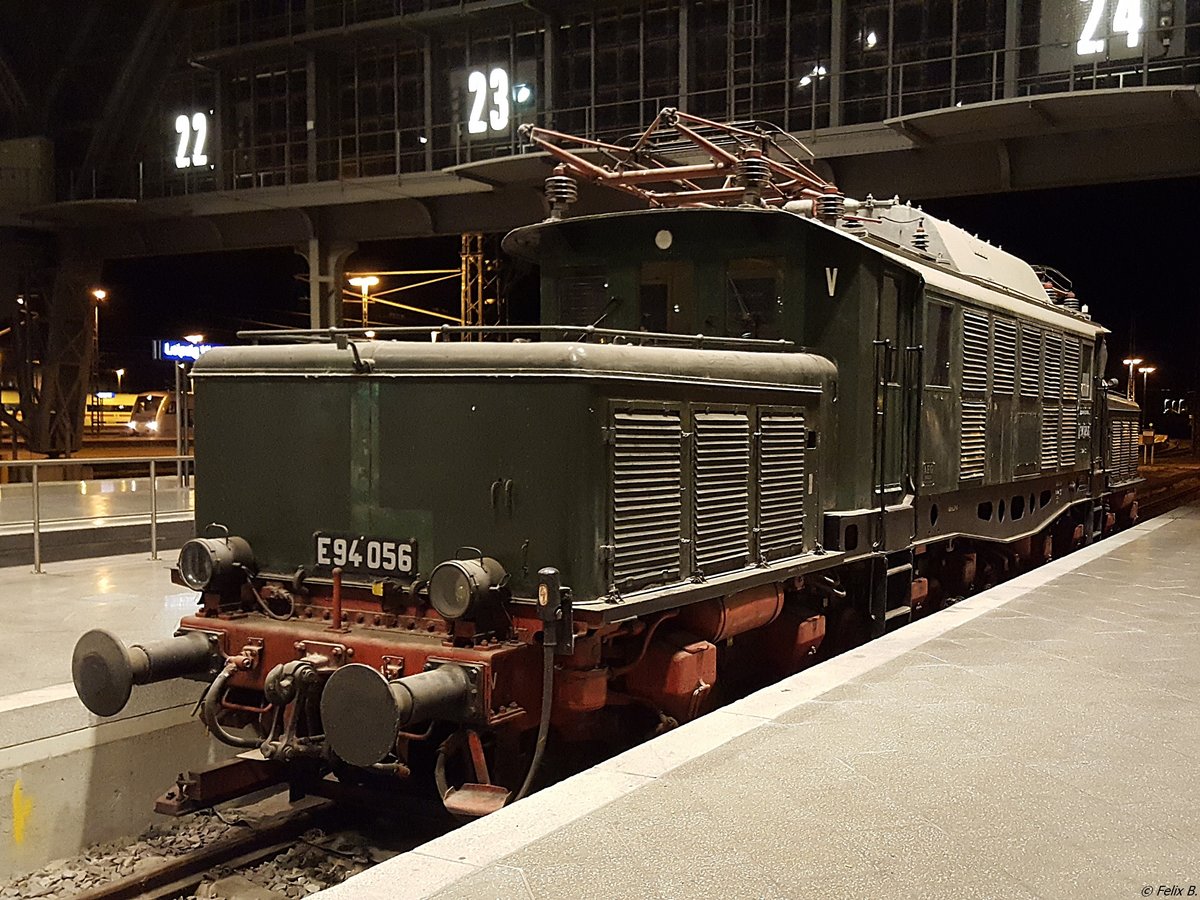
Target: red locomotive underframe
667, 662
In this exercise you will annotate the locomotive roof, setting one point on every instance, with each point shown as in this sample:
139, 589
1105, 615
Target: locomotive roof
955, 262
518, 359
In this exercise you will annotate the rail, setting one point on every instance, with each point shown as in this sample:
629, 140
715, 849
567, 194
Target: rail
579, 333
182, 465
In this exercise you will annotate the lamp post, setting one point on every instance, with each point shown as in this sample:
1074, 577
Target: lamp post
365, 283
1146, 370
120, 373
99, 294
1131, 361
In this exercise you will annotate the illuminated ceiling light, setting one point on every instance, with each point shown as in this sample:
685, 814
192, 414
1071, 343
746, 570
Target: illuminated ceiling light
871, 40
820, 71
806, 81
421, 139
522, 93
369, 335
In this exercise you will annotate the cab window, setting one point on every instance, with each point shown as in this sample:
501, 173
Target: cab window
582, 296
754, 298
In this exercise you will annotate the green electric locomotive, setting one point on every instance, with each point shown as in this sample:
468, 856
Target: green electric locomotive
760, 423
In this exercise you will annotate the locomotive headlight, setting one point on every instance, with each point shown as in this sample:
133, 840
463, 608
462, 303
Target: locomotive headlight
459, 587
206, 563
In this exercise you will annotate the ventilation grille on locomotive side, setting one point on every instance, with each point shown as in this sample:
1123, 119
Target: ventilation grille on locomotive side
702, 491
721, 512
647, 498
781, 483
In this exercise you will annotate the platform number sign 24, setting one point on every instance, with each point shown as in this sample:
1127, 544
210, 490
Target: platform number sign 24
193, 133
1126, 20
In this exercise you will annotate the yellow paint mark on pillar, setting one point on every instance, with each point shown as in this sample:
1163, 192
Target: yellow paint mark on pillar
22, 806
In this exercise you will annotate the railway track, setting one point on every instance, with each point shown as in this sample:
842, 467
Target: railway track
1172, 481
243, 848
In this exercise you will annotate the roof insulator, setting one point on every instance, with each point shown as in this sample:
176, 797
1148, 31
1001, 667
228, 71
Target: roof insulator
561, 191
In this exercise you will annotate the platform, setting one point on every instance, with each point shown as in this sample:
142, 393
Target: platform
67, 778
97, 517
1041, 739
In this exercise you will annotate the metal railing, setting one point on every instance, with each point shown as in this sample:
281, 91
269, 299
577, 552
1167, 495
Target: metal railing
182, 474
867, 94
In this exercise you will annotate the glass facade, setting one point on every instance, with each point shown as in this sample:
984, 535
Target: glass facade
300, 91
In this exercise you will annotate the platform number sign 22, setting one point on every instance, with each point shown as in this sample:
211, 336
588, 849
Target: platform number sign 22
1126, 19
193, 132
490, 109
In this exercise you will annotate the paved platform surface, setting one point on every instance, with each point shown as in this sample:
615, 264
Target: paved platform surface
97, 502
44, 615
1039, 740
69, 779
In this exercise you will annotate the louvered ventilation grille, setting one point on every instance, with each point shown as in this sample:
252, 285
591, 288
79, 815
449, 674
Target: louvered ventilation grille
1031, 358
1050, 433
1070, 368
1070, 436
722, 490
646, 503
1004, 357
1124, 449
781, 484
1052, 379
975, 351
1131, 466
974, 441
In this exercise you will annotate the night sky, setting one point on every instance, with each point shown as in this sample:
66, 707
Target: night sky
1129, 250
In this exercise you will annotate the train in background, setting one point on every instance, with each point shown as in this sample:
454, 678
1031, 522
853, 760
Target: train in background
149, 414
760, 423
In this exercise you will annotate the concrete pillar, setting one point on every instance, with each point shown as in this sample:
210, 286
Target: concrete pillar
326, 279
310, 114
684, 53
837, 61
1012, 40
549, 67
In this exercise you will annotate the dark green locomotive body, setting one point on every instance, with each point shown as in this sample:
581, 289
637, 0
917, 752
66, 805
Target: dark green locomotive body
534, 454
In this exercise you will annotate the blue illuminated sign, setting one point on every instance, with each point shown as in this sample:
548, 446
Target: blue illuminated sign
181, 350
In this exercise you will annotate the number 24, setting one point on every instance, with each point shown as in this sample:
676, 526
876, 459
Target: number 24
1127, 20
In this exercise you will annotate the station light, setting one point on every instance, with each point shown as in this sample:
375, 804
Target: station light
194, 338
365, 283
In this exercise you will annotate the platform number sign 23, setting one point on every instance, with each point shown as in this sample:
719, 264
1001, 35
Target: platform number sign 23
490, 103
193, 133
1126, 20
